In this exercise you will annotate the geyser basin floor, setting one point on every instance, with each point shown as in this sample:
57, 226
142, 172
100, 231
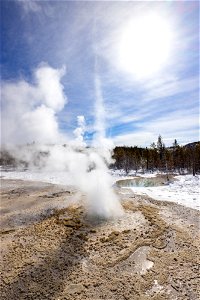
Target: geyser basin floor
183, 190
65, 255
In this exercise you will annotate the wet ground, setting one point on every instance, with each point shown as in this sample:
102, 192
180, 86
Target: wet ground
51, 248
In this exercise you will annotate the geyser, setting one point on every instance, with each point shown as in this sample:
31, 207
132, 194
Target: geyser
36, 111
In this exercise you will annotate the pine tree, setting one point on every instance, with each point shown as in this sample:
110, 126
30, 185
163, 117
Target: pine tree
161, 151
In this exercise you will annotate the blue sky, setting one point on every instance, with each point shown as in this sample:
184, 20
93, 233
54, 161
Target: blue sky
84, 36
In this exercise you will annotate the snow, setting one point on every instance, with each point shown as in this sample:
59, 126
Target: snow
184, 191
62, 178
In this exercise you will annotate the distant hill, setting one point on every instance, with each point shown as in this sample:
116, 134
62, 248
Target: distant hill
187, 146
191, 145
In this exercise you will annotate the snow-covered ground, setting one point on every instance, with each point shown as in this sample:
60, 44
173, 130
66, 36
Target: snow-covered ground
184, 191
62, 178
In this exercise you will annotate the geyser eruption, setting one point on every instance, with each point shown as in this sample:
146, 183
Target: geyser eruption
102, 199
36, 111
106, 201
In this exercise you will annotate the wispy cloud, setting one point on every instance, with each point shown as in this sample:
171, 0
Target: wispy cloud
172, 88
182, 125
62, 32
30, 5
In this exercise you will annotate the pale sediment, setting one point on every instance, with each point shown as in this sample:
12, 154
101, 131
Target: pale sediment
51, 249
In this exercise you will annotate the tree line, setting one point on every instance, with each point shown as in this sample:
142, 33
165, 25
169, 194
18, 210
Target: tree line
157, 157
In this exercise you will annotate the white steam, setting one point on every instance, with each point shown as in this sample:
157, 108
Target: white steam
100, 141
79, 131
99, 113
29, 110
29, 113
88, 171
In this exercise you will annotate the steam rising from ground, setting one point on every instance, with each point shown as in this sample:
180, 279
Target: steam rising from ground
29, 110
29, 113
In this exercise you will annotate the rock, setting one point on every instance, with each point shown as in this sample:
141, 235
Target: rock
75, 288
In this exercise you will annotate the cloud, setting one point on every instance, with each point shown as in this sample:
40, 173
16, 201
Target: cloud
167, 106
30, 5
182, 125
135, 139
29, 110
163, 89
127, 103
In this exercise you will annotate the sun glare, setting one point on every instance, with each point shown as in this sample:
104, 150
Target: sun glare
145, 45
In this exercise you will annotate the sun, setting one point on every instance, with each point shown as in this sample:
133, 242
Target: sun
145, 45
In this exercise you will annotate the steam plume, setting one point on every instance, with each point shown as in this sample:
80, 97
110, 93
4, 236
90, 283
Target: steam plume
29, 110
29, 113
79, 131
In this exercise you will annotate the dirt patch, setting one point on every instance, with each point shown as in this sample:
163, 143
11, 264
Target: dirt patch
145, 254
25, 202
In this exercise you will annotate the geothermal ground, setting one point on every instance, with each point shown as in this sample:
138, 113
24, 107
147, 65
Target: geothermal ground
51, 249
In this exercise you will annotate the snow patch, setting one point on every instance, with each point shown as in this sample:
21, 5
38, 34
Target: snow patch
184, 191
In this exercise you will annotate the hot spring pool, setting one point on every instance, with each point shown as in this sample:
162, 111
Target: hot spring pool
142, 182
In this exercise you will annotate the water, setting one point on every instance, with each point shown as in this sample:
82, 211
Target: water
141, 182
